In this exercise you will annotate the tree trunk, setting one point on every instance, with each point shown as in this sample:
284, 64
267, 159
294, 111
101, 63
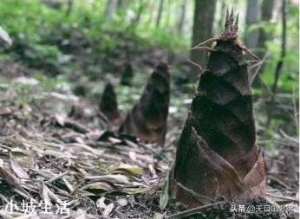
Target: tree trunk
121, 3
181, 18
202, 27
136, 20
110, 9
252, 17
168, 16
223, 7
266, 15
70, 4
151, 20
160, 9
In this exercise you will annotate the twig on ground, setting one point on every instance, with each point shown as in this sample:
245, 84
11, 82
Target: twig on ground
292, 199
151, 150
194, 210
279, 182
57, 177
76, 126
294, 140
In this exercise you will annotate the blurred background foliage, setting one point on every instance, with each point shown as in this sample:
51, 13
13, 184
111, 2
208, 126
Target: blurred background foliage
76, 46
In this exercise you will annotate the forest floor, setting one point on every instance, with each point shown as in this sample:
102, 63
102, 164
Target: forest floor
54, 164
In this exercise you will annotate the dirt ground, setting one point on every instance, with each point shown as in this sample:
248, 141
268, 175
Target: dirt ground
53, 165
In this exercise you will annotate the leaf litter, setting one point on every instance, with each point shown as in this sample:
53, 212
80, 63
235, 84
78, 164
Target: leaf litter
74, 169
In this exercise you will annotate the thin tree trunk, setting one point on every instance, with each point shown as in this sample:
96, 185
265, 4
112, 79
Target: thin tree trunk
110, 9
220, 23
202, 28
168, 15
252, 17
140, 11
121, 3
266, 15
160, 9
136, 20
69, 7
181, 18
280, 62
152, 14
